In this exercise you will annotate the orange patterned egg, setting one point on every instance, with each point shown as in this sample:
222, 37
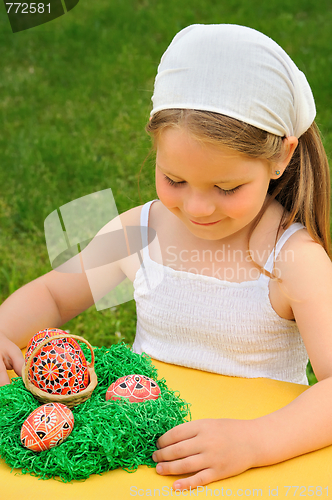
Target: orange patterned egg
136, 388
47, 426
59, 367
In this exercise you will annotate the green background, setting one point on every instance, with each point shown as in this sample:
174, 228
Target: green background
74, 100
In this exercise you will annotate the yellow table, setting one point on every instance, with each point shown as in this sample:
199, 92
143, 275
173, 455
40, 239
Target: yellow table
211, 396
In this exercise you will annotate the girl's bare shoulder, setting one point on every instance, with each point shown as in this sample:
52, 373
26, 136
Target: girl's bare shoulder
158, 216
131, 217
304, 267
306, 273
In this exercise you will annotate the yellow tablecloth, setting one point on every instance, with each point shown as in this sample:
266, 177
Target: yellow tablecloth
211, 396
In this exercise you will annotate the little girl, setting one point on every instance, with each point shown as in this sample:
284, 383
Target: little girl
239, 278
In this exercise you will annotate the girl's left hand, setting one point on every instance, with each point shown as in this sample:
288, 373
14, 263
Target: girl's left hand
211, 448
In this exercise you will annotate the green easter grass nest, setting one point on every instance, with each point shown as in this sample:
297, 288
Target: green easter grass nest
106, 435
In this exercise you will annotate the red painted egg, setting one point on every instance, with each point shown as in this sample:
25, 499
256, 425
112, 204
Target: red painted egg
59, 367
136, 388
47, 426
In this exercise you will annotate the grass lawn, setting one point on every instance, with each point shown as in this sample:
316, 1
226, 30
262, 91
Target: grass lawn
75, 97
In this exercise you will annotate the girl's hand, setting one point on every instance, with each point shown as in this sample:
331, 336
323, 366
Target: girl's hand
11, 358
211, 448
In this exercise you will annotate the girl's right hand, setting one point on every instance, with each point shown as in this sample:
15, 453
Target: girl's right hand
11, 358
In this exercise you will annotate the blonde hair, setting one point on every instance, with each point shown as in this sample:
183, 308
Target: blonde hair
304, 188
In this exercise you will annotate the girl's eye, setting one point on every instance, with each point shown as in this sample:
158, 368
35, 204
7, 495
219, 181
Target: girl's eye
173, 183
229, 191
177, 184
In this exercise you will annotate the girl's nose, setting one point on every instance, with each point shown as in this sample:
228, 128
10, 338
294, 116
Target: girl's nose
199, 205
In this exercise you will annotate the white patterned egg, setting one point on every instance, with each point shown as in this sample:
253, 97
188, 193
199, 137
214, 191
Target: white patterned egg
47, 426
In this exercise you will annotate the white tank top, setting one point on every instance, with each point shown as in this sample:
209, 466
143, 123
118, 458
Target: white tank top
214, 325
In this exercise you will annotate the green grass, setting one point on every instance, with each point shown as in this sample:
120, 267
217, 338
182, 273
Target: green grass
75, 97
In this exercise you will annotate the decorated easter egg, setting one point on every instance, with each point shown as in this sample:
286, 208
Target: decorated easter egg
47, 426
136, 388
59, 367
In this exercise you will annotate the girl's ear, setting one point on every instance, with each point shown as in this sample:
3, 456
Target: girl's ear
289, 145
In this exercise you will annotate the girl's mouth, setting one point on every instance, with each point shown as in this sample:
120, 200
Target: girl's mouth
204, 224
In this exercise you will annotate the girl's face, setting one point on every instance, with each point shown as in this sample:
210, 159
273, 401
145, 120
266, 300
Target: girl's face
214, 191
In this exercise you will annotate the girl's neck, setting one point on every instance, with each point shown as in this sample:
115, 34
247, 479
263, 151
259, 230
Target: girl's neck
175, 239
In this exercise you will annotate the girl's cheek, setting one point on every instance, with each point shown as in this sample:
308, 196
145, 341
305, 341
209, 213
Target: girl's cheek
166, 193
238, 205
244, 204
162, 187
232, 205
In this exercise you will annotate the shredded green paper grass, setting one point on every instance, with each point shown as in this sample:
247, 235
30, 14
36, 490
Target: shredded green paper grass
106, 434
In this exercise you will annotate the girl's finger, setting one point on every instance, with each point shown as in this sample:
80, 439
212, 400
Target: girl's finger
186, 465
178, 433
175, 451
4, 379
200, 479
17, 359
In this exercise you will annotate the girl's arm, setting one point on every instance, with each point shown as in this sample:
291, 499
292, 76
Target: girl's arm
55, 298
216, 449
48, 301
305, 424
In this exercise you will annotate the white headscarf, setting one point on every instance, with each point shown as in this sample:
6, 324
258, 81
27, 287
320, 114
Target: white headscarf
235, 71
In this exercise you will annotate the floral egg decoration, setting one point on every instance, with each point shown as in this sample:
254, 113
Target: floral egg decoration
58, 367
135, 388
47, 427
